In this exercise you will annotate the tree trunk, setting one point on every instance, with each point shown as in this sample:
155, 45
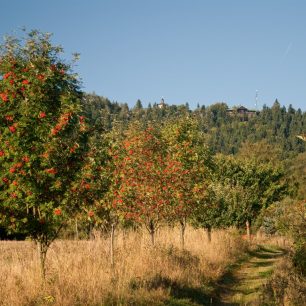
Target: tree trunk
42, 249
152, 235
91, 235
76, 230
182, 233
248, 229
124, 238
208, 233
151, 229
112, 239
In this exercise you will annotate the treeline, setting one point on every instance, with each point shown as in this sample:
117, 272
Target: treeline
225, 131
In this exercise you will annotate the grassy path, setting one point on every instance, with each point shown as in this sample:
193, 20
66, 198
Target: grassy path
242, 285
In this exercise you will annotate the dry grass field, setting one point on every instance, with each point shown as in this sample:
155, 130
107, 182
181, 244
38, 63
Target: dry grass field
79, 272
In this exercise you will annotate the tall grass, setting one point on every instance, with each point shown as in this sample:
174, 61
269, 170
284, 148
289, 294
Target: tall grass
80, 273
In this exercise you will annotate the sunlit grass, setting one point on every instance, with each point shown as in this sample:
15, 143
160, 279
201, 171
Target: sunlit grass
79, 272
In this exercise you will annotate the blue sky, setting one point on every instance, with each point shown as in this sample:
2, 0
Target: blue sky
186, 51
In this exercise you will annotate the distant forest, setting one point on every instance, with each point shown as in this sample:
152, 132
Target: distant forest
226, 129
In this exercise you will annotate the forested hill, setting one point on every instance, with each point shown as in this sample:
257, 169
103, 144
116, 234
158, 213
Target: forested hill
226, 129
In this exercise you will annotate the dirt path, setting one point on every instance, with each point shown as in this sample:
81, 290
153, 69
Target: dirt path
242, 286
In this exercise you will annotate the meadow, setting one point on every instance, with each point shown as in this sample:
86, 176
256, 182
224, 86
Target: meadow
79, 271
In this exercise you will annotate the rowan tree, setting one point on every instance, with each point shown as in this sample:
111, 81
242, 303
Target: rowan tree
145, 178
92, 182
185, 145
43, 138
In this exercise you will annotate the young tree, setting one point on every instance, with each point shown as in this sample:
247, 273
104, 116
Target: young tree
211, 212
252, 187
42, 138
185, 144
107, 216
144, 178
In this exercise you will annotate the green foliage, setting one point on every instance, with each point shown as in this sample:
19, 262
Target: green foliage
247, 187
296, 174
277, 126
101, 113
288, 218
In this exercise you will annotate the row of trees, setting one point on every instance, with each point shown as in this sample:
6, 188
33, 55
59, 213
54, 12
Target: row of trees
60, 161
158, 173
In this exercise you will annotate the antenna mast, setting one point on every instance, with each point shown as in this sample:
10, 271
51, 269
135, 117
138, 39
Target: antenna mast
256, 100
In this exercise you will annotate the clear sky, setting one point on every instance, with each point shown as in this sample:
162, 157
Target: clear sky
195, 51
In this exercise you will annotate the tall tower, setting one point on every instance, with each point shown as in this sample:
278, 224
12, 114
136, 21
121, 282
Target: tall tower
256, 100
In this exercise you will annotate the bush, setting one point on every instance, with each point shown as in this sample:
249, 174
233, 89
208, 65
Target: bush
286, 286
299, 258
